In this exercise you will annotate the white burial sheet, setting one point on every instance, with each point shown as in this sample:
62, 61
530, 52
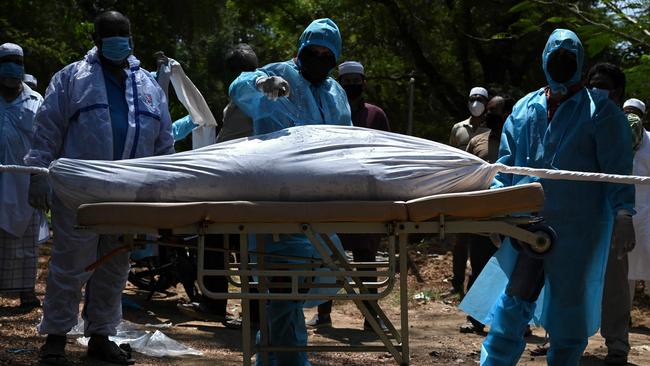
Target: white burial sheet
305, 163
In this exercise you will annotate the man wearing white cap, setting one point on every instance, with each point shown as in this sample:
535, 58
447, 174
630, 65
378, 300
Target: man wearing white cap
461, 133
19, 222
364, 247
352, 78
639, 257
31, 81
635, 110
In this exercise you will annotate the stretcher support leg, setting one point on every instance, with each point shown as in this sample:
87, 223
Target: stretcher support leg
264, 326
245, 303
327, 258
372, 305
403, 291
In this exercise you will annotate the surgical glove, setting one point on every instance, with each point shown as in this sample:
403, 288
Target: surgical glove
623, 235
40, 193
273, 87
161, 59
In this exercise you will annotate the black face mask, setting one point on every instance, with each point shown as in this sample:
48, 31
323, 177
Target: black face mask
561, 66
493, 121
315, 68
353, 91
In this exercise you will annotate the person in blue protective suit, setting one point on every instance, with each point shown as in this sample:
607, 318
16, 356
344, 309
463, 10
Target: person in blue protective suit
561, 126
298, 91
20, 224
103, 107
281, 95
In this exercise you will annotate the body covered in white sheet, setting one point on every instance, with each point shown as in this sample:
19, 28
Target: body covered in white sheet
305, 163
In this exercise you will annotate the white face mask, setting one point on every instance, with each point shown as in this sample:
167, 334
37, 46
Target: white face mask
476, 108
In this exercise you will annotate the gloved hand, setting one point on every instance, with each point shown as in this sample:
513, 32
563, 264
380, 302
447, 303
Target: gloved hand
40, 193
273, 87
623, 235
161, 59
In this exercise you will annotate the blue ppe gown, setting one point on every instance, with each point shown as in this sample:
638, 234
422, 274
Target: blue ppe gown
307, 104
74, 121
588, 132
183, 127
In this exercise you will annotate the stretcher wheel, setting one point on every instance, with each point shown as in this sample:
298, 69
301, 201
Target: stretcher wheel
546, 238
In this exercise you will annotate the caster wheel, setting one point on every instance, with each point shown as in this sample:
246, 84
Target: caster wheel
546, 238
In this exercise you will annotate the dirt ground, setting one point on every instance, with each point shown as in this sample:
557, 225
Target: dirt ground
434, 335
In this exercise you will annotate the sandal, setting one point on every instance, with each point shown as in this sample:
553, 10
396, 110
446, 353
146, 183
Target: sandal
103, 349
52, 353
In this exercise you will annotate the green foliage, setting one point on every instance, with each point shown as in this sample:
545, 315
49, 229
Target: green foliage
638, 80
446, 46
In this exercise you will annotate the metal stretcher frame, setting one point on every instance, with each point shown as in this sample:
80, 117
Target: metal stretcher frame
395, 342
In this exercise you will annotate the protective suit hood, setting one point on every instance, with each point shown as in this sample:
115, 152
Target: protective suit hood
563, 38
322, 32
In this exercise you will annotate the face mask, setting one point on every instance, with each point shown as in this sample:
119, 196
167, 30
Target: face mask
116, 49
561, 66
353, 91
12, 70
493, 121
476, 108
315, 68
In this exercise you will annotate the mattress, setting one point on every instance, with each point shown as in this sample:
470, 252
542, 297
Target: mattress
470, 205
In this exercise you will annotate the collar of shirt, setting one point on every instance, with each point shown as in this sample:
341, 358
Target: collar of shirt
553, 104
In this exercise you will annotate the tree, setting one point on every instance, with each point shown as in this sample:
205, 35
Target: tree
447, 46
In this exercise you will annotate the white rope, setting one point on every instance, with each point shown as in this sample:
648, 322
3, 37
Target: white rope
520, 170
571, 175
23, 169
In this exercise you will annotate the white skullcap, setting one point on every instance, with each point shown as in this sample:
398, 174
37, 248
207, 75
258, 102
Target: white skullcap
10, 49
477, 90
633, 102
351, 67
29, 78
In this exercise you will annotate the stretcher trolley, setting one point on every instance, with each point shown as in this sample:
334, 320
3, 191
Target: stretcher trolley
506, 211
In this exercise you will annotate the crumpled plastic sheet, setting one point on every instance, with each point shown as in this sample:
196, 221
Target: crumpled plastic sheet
155, 344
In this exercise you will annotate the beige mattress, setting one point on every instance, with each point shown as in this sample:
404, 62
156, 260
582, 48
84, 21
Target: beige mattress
474, 205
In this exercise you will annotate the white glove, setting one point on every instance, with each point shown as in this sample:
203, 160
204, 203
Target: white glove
273, 87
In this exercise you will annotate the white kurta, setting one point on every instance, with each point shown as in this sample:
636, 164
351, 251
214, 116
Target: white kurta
639, 258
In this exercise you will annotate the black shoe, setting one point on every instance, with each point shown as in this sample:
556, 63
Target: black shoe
616, 359
200, 311
102, 349
28, 300
236, 324
382, 325
470, 327
52, 353
320, 321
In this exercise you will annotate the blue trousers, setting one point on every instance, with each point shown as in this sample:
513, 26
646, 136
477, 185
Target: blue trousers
287, 327
505, 343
